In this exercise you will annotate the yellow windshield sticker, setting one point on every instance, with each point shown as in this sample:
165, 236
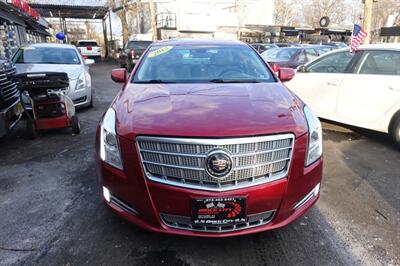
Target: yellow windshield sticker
159, 51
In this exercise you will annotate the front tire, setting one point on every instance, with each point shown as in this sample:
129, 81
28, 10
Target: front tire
395, 131
75, 125
91, 102
30, 130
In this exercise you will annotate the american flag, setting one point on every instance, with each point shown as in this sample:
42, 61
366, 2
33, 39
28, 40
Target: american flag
357, 37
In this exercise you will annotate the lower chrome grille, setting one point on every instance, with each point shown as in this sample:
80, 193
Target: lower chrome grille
182, 161
185, 223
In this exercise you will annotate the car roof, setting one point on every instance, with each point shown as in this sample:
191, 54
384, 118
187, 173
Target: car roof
380, 46
87, 41
290, 47
177, 42
318, 46
391, 46
50, 45
134, 40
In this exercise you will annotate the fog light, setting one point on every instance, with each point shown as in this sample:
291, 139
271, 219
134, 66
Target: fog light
316, 190
313, 193
106, 194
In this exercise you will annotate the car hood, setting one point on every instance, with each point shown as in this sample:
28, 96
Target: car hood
73, 71
208, 110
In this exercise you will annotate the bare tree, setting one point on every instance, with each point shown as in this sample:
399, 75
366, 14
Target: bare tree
382, 10
122, 16
284, 12
337, 10
355, 11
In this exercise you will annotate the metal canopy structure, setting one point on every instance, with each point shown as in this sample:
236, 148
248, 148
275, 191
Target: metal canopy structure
71, 11
77, 9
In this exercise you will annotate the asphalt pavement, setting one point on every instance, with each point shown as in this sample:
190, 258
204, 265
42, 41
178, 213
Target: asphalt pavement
51, 212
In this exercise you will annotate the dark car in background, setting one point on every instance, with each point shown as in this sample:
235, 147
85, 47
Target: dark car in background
10, 107
334, 45
287, 44
290, 57
262, 47
131, 53
322, 49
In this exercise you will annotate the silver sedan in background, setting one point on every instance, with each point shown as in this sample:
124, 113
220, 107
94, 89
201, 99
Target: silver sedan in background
50, 57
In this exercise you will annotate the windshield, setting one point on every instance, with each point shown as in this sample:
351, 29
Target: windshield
280, 54
138, 44
188, 64
46, 55
87, 44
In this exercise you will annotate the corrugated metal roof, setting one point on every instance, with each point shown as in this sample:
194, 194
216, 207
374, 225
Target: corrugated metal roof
72, 9
70, 2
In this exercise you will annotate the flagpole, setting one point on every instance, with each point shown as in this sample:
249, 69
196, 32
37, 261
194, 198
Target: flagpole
351, 39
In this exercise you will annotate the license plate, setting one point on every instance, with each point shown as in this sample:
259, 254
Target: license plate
219, 211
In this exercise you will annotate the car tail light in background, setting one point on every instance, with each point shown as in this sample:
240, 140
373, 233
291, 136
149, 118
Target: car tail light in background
132, 54
275, 67
85, 57
89, 48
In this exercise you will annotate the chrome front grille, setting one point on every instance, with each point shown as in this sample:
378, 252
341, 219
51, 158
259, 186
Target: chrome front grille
8, 88
185, 223
181, 161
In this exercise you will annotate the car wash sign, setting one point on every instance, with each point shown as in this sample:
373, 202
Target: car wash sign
25, 8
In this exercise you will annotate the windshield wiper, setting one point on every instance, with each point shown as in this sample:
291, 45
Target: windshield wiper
234, 81
152, 81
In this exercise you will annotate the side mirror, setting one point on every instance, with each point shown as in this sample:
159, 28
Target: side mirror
286, 74
119, 75
302, 69
89, 61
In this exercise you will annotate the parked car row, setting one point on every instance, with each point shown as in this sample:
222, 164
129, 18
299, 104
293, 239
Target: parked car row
212, 123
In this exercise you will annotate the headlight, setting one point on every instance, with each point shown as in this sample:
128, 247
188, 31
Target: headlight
109, 147
314, 151
80, 83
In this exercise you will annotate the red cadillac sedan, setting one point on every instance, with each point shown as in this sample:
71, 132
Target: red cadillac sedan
204, 140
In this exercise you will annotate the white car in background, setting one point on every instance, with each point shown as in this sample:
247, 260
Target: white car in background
89, 49
361, 89
51, 57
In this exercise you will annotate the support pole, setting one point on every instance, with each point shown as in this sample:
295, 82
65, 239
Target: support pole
153, 21
105, 38
367, 25
66, 40
109, 22
61, 24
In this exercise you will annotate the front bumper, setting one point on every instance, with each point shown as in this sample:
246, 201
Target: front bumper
167, 209
81, 99
9, 117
